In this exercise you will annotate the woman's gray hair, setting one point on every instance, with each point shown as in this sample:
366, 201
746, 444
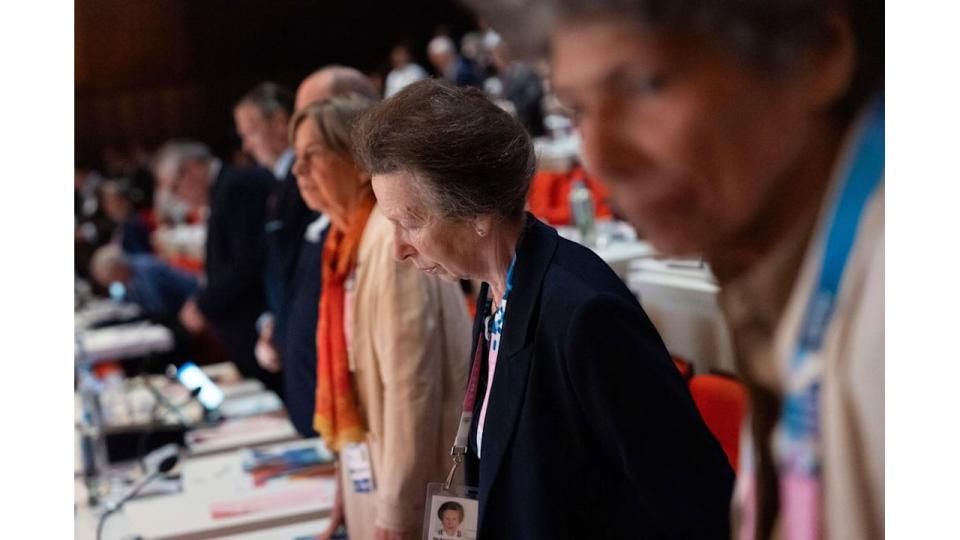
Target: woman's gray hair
173, 154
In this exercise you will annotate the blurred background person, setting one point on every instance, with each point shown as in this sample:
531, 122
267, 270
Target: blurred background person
143, 279
573, 375
297, 351
262, 117
737, 131
391, 342
132, 233
231, 296
404, 71
92, 226
473, 49
334, 80
451, 66
520, 85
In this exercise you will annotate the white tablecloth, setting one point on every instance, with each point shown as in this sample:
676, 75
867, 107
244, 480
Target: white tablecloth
123, 341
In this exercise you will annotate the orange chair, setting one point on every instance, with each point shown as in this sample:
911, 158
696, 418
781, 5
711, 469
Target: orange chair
549, 197
722, 402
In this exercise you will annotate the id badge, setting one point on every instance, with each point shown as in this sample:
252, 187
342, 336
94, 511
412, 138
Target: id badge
356, 459
450, 513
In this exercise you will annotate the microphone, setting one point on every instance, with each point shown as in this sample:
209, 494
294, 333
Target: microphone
164, 467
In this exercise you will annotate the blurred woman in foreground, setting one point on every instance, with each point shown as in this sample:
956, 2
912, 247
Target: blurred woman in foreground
753, 133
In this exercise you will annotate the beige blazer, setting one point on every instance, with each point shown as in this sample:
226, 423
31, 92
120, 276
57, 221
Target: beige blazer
410, 351
852, 420
765, 311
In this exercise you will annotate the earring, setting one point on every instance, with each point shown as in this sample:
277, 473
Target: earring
481, 233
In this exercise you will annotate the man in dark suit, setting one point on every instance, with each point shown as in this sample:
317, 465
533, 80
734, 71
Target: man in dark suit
261, 117
232, 296
297, 351
451, 66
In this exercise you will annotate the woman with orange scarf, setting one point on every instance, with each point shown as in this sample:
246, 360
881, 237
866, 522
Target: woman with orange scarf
392, 343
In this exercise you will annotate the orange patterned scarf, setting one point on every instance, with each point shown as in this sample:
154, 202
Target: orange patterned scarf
336, 417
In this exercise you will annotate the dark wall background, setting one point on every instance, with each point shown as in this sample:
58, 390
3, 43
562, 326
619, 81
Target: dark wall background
150, 70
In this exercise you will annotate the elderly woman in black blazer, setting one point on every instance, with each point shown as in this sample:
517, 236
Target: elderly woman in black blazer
582, 426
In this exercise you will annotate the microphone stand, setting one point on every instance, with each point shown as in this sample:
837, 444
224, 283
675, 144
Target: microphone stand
161, 401
165, 466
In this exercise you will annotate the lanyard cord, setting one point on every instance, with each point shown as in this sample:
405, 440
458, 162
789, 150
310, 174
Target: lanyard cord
459, 448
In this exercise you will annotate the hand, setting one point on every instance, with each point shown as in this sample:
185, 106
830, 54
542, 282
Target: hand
380, 533
336, 517
266, 353
191, 317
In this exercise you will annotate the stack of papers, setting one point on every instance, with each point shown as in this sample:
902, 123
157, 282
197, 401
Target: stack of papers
291, 462
241, 432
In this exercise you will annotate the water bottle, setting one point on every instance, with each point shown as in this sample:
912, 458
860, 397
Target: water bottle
93, 442
581, 209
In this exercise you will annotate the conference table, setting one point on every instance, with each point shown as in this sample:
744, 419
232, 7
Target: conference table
122, 341
216, 498
679, 296
216, 502
104, 310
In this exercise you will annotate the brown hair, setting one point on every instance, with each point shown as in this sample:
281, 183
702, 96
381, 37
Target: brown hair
334, 118
474, 158
450, 505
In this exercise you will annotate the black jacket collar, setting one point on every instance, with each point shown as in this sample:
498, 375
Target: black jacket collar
534, 256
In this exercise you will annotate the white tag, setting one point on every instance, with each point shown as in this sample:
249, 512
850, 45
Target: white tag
356, 459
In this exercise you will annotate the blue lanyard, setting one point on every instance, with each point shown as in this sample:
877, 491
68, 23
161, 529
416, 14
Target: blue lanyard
495, 323
863, 176
513, 263
802, 404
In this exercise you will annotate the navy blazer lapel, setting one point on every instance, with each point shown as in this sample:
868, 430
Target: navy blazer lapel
507, 393
216, 187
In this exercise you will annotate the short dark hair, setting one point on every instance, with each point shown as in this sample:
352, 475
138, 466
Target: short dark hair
450, 505
269, 98
474, 158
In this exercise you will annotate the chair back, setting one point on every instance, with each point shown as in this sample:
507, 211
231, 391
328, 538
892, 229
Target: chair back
722, 401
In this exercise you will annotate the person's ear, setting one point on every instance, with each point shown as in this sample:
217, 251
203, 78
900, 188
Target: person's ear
482, 226
365, 178
829, 70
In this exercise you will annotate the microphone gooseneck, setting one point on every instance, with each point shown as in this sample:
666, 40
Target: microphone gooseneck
164, 467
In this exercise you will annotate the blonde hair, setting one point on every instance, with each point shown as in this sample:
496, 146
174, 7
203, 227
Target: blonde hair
334, 118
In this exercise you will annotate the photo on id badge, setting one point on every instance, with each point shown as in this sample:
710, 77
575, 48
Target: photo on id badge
452, 517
